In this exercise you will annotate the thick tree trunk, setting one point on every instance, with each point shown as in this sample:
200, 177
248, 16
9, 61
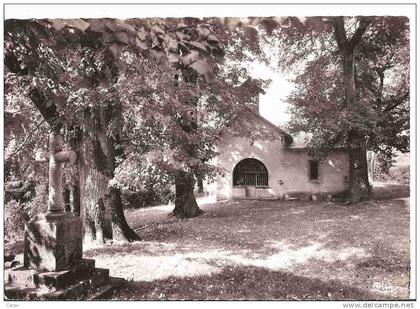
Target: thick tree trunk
349, 80
359, 187
101, 206
121, 229
185, 203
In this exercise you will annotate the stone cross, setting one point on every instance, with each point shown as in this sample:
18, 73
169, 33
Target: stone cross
56, 157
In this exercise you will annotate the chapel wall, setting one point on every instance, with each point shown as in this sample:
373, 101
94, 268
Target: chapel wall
288, 171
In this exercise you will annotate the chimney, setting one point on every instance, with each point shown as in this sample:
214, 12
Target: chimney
253, 86
255, 105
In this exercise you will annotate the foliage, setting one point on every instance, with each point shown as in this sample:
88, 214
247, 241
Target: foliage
396, 170
15, 218
160, 100
23, 200
69, 68
162, 74
380, 111
153, 195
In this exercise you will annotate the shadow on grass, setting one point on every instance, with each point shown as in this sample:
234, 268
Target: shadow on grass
251, 283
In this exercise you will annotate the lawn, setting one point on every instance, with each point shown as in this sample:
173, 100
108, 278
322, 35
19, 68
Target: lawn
268, 250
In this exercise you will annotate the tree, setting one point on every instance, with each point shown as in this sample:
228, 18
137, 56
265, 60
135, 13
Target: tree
47, 64
86, 92
76, 73
353, 90
182, 109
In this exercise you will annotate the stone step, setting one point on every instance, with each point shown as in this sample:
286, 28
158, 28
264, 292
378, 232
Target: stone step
19, 293
80, 291
82, 281
99, 277
27, 278
106, 290
77, 291
21, 277
62, 279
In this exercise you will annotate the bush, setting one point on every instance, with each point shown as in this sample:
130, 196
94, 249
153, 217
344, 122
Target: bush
398, 174
15, 217
147, 198
21, 191
39, 203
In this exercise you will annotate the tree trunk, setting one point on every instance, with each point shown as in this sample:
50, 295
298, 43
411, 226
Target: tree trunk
200, 184
75, 141
101, 206
359, 187
185, 203
66, 198
121, 229
75, 199
349, 79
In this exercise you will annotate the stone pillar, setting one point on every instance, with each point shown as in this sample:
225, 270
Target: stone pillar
56, 158
53, 241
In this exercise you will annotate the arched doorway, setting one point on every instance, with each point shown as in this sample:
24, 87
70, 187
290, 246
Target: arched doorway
251, 174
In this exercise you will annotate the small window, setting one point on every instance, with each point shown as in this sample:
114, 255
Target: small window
313, 170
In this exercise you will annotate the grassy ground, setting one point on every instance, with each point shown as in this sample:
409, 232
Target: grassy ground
268, 250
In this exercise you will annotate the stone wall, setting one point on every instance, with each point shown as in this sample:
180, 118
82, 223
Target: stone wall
288, 170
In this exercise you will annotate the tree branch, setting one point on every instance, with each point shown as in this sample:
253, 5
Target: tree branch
49, 112
357, 36
397, 101
27, 137
339, 32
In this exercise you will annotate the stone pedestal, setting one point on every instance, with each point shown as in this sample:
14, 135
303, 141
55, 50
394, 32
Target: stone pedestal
53, 265
53, 242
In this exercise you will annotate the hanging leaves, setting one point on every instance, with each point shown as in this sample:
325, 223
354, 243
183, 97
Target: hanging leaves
121, 37
201, 67
203, 32
156, 53
141, 44
190, 57
251, 34
212, 38
115, 50
59, 24
142, 34
173, 58
199, 46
